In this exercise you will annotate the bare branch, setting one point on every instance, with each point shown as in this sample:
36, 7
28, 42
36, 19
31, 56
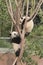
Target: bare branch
22, 48
42, 0
16, 3
36, 10
23, 33
18, 6
11, 27
15, 61
10, 10
23, 8
22, 45
27, 8
9, 6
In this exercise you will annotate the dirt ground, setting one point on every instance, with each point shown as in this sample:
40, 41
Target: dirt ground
38, 60
8, 59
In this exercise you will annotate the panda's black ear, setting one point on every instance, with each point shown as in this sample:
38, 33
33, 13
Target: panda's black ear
10, 34
21, 17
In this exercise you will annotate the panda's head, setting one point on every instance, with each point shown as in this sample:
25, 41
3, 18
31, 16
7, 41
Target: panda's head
15, 37
14, 34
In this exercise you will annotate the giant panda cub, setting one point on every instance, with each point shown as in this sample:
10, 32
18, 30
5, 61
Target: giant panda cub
29, 25
15, 40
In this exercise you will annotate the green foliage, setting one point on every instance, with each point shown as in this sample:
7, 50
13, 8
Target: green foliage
5, 44
5, 20
34, 46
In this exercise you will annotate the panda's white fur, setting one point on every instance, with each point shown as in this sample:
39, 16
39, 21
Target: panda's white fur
15, 40
13, 34
29, 25
16, 46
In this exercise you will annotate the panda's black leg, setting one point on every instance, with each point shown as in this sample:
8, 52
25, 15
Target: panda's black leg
27, 34
17, 52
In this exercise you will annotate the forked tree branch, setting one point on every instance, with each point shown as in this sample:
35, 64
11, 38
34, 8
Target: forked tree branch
20, 7
9, 7
18, 4
36, 10
23, 33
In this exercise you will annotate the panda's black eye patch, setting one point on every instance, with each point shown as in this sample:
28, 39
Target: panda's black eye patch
21, 17
10, 34
14, 34
16, 40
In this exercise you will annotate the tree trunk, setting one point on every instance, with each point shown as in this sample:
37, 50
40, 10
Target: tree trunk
21, 53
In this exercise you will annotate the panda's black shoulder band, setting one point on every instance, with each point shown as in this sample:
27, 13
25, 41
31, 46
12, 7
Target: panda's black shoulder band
23, 23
